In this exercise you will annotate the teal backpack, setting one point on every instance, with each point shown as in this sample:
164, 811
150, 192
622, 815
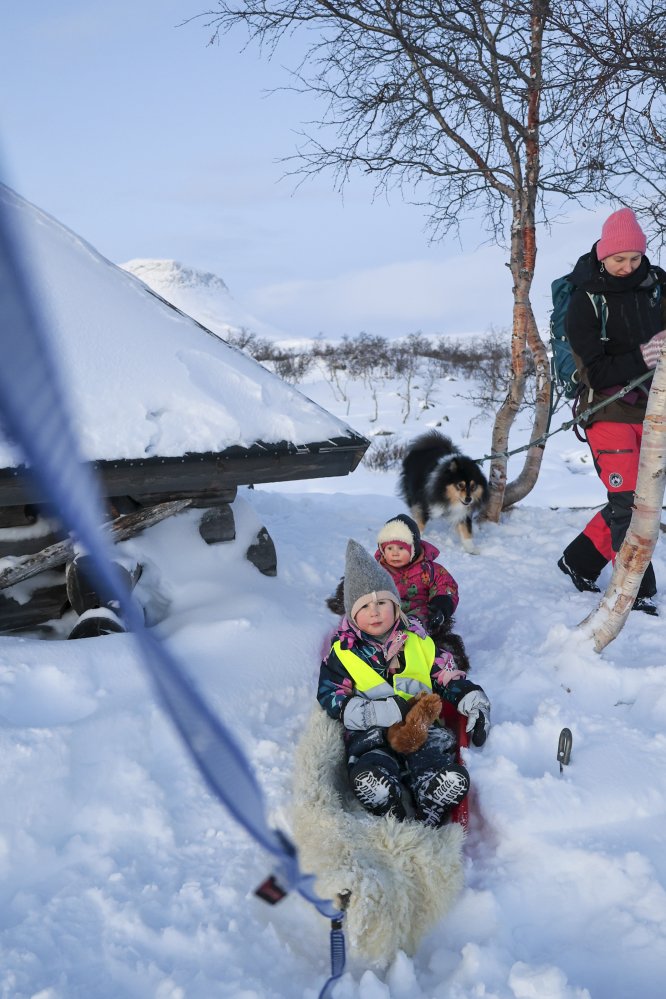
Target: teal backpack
564, 376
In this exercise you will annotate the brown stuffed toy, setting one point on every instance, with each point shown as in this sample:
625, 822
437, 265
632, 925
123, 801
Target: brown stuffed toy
409, 734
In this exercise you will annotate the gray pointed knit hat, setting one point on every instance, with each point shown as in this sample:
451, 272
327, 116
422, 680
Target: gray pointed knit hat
363, 576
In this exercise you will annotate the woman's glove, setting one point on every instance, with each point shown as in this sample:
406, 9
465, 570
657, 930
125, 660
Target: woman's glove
651, 350
476, 706
409, 735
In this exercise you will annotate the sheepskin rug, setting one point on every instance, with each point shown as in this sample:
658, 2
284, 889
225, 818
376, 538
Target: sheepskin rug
402, 876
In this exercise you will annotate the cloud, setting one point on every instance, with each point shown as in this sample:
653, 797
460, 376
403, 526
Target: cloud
462, 294
459, 293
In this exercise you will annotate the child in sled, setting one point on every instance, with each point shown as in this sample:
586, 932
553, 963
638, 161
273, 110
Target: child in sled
427, 590
382, 681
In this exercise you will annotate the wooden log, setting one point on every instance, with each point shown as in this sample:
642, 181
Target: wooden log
45, 604
29, 545
121, 529
17, 516
206, 475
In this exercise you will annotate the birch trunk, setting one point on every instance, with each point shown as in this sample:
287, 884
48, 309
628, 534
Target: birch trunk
606, 622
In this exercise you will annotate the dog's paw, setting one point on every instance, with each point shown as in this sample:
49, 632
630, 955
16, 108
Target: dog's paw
470, 548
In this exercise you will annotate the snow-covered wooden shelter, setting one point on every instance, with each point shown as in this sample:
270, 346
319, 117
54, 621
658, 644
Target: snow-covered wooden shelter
164, 408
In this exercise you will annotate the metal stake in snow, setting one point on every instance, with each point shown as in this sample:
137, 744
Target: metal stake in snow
564, 748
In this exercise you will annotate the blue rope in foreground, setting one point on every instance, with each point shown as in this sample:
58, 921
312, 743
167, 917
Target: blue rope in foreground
337, 958
34, 418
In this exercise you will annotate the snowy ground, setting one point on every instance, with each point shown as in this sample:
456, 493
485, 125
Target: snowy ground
121, 877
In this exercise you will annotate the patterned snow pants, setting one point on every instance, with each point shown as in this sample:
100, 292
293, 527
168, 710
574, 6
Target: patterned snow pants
435, 780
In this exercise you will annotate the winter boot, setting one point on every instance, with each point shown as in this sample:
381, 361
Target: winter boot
582, 562
437, 794
647, 605
379, 792
581, 582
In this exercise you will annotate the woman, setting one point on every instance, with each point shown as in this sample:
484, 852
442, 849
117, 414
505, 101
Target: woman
634, 294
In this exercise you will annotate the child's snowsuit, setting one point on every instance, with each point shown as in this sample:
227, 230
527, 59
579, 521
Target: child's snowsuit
369, 686
424, 585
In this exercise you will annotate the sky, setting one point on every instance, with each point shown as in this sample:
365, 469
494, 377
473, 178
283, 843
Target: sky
122, 122
122, 877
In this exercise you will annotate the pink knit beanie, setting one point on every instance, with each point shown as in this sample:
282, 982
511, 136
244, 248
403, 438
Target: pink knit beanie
621, 233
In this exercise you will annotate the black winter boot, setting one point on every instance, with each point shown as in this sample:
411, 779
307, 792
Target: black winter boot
581, 583
378, 791
647, 605
440, 793
582, 562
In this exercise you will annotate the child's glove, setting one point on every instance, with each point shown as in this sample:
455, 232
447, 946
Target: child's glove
436, 619
440, 611
651, 350
409, 735
476, 706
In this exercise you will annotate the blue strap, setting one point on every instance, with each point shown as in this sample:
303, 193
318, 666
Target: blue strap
337, 958
33, 416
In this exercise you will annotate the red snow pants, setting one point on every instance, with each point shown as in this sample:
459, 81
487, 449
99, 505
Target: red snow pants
615, 449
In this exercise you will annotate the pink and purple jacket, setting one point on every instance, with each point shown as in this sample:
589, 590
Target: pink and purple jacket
421, 581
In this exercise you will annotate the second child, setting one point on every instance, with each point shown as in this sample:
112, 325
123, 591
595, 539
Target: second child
427, 590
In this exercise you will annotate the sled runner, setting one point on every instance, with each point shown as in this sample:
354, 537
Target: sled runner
403, 876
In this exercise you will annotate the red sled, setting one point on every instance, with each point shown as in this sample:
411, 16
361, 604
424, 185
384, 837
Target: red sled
452, 718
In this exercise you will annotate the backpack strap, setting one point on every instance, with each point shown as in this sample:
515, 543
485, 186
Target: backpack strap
600, 306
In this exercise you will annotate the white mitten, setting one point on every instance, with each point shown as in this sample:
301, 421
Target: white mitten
476, 706
651, 350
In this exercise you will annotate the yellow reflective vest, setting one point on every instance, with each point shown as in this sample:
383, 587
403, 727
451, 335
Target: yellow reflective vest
419, 655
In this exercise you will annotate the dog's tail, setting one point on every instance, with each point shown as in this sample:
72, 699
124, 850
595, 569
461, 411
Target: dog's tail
432, 439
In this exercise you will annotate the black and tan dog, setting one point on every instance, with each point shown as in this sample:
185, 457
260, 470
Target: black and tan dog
437, 480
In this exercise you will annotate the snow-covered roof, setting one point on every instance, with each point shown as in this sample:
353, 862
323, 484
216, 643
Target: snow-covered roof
144, 380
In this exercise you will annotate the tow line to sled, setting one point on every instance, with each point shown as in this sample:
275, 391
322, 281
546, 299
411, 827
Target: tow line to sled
272, 892
44, 434
579, 418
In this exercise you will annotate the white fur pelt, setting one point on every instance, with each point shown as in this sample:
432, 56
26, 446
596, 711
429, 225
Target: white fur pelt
403, 877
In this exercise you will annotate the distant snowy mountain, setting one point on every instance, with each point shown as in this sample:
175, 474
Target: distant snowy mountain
200, 294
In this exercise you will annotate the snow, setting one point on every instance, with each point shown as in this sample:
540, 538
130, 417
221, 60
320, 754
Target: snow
143, 379
121, 877
200, 294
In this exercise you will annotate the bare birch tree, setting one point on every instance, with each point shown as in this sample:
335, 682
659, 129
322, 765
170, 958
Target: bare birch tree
473, 107
616, 54
606, 622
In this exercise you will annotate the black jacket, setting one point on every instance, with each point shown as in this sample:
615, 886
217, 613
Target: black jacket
635, 313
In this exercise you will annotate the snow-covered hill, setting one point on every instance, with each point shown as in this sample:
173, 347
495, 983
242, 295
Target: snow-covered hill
202, 295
